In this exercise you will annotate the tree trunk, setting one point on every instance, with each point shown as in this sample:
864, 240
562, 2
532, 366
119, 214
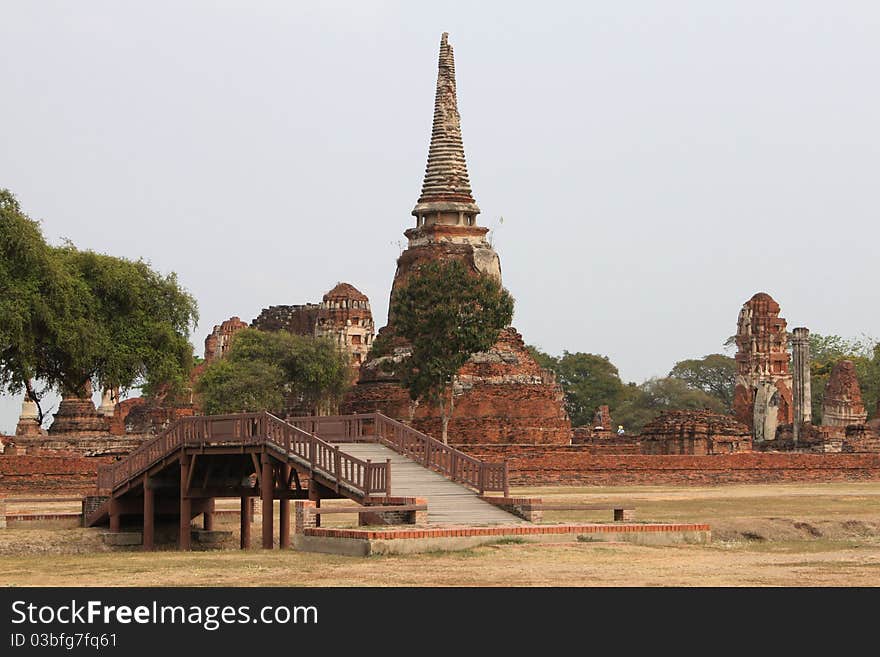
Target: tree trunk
29, 389
444, 421
444, 416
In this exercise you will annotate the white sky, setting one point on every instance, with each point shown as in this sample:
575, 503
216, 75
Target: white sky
656, 163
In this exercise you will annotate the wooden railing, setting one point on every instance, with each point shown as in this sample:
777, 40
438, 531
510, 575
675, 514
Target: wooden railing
365, 477
430, 452
337, 428
435, 455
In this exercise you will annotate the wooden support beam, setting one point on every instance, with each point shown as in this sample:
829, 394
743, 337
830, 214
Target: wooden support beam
245, 526
208, 470
208, 516
257, 469
184, 539
267, 488
284, 511
115, 512
149, 516
190, 473
295, 474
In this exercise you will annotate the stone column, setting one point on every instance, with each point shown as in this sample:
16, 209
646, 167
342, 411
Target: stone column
801, 395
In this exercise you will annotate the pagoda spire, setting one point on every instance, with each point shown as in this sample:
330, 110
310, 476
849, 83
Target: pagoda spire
446, 191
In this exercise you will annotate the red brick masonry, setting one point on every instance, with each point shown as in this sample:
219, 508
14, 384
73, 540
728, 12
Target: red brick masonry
49, 474
513, 530
531, 465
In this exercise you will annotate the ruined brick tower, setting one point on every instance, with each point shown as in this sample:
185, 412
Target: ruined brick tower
842, 404
220, 339
345, 317
762, 398
503, 395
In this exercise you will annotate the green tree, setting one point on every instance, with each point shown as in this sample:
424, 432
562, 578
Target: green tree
241, 387
264, 371
589, 381
714, 374
828, 350
543, 359
69, 318
640, 404
130, 327
35, 296
446, 312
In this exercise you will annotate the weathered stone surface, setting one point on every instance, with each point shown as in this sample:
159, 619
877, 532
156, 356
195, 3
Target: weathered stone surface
78, 415
812, 439
446, 186
602, 419
345, 317
762, 396
802, 400
151, 417
842, 404
695, 432
218, 342
300, 319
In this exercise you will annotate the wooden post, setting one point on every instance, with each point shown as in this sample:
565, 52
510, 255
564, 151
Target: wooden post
149, 516
506, 480
245, 526
115, 515
387, 477
284, 511
184, 542
208, 516
267, 485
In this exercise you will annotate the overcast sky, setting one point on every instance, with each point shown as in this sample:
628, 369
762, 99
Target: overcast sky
655, 163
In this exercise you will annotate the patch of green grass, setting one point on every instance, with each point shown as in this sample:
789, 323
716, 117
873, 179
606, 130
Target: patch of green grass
509, 540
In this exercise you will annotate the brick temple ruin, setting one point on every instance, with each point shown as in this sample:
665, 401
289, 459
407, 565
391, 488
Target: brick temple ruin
762, 397
502, 395
343, 316
507, 408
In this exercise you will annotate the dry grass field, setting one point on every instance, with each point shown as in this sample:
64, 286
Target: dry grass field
763, 535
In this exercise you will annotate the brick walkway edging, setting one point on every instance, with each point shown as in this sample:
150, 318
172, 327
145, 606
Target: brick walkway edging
512, 530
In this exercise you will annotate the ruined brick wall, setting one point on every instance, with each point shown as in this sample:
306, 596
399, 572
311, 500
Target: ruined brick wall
299, 319
58, 474
812, 439
590, 436
862, 438
695, 432
539, 465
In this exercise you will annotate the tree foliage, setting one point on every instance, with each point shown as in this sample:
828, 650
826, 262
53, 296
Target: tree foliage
640, 404
588, 381
265, 371
446, 312
70, 317
714, 374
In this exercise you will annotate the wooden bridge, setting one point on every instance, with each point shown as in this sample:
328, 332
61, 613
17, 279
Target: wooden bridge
257, 455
